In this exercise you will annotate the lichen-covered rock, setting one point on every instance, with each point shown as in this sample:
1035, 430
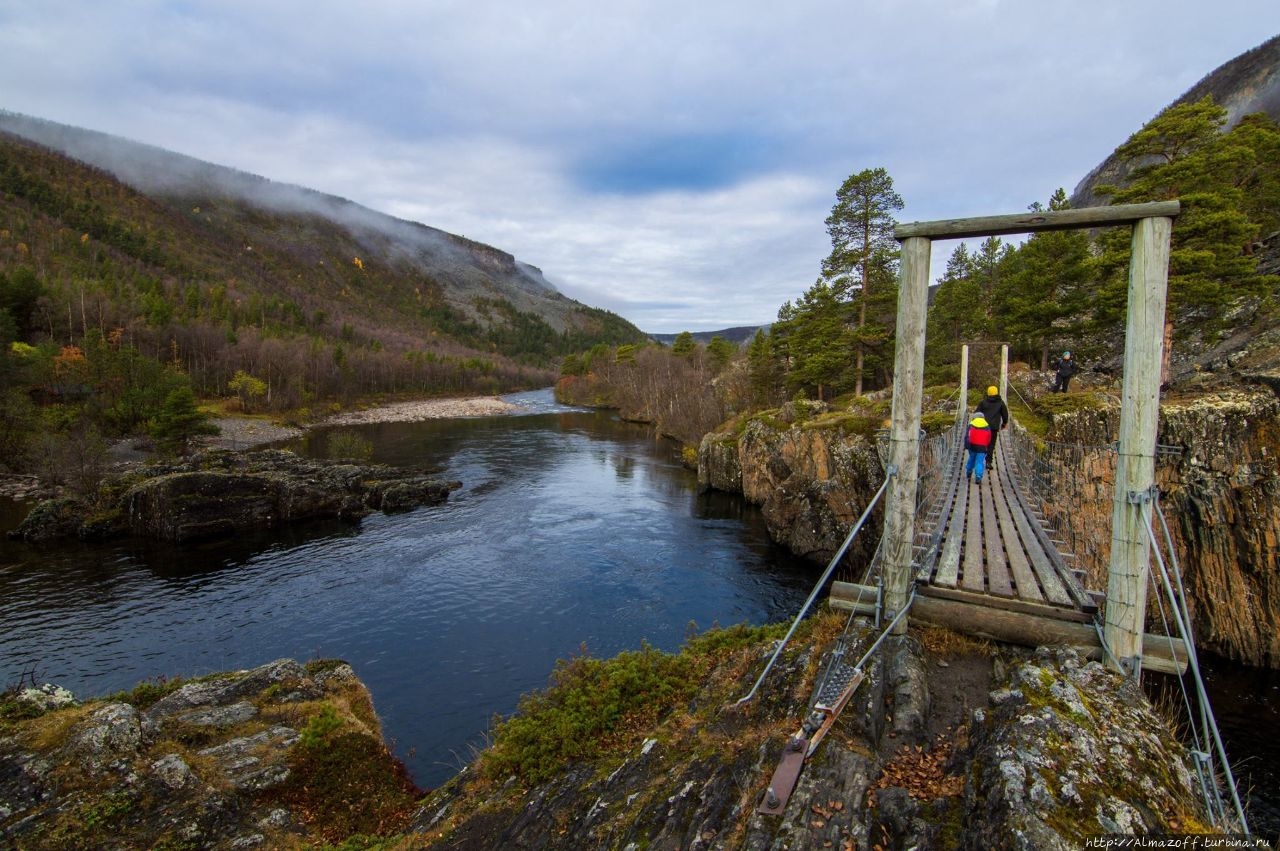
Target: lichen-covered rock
46, 697
811, 471
1220, 495
111, 732
1067, 750
278, 756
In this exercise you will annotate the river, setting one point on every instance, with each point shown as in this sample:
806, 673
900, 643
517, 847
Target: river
571, 530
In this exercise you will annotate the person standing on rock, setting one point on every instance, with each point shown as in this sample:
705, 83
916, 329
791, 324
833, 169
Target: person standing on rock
1064, 368
977, 442
996, 413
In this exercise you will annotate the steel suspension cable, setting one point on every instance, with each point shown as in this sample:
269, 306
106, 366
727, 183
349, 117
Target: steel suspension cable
817, 588
1193, 665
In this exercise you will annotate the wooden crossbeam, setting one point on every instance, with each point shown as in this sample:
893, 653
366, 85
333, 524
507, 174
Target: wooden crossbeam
1013, 622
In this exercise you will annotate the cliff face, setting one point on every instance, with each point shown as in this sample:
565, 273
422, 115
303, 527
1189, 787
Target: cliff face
1220, 496
811, 472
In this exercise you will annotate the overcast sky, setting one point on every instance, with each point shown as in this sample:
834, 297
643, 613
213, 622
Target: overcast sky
670, 161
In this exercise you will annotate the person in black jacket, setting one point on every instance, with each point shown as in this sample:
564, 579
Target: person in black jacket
996, 413
1064, 368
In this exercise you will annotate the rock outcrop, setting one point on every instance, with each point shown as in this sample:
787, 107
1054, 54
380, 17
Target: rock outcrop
281, 755
1068, 750
812, 472
1060, 751
1246, 84
1219, 477
220, 493
925, 755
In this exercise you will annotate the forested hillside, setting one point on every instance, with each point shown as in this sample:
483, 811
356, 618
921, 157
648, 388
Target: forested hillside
111, 296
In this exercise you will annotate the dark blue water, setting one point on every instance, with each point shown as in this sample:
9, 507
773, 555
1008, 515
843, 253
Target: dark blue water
570, 528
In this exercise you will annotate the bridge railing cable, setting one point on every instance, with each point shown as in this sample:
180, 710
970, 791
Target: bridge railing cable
1071, 488
821, 583
939, 468
1182, 619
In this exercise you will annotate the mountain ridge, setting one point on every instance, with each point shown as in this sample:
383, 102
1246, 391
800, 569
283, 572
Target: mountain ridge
220, 270
1245, 84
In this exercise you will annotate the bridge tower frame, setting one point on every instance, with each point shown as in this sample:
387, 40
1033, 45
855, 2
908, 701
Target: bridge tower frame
1139, 415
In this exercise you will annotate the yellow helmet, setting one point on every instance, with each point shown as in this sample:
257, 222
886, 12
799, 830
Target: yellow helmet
980, 421
993, 390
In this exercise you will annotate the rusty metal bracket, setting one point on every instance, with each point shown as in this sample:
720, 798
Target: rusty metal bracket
783, 782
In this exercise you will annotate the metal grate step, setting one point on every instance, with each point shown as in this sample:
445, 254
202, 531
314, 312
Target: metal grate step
837, 681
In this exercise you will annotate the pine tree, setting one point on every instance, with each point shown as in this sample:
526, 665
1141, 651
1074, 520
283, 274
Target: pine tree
1179, 154
180, 420
720, 351
863, 256
763, 370
815, 338
684, 344
1042, 296
956, 315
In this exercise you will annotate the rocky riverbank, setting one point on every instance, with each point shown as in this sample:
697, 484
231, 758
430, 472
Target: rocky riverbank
235, 433
218, 493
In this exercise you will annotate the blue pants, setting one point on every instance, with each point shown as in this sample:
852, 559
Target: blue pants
977, 463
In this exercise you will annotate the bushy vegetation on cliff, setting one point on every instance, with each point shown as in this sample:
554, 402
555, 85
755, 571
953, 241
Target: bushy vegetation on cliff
684, 391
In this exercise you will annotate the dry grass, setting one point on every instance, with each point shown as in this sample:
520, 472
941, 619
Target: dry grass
941, 641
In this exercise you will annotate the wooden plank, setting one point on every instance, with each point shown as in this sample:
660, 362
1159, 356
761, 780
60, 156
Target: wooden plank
1007, 604
1031, 544
904, 432
1135, 458
949, 562
998, 579
1028, 587
938, 520
1082, 600
974, 577
1055, 590
1020, 622
1011, 621
1035, 222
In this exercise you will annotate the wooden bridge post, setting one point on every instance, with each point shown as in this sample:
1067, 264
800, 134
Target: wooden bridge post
963, 413
1135, 466
904, 434
1004, 373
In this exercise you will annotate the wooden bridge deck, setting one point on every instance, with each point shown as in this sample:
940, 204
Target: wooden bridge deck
991, 568
987, 541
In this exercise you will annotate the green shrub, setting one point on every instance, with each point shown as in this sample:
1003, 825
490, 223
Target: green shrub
314, 735
594, 707
146, 693
937, 422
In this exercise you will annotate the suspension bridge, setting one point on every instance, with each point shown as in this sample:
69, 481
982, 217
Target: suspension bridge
983, 558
